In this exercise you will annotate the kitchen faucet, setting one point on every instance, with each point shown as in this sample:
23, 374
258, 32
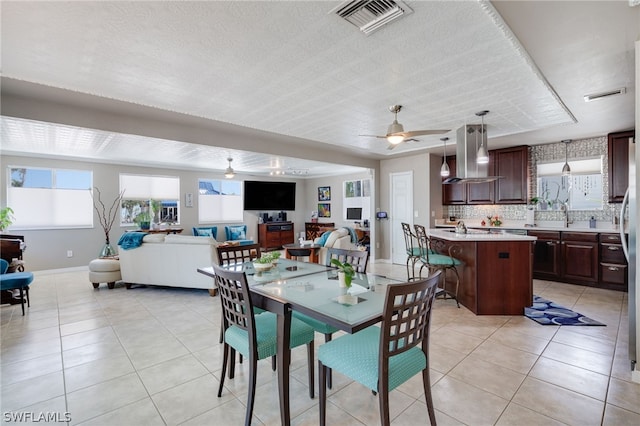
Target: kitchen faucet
565, 211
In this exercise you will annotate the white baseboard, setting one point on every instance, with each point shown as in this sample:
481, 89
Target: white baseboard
62, 270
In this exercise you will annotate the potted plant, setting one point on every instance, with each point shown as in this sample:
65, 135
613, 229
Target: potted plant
6, 218
143, 220
345, 272
264, 262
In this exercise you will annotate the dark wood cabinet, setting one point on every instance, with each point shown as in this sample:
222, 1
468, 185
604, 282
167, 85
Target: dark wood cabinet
313, 230
510, 163
483, 193
546, 255
455, 193
618, 150
513, 165
275, 235
580, 257
613, 264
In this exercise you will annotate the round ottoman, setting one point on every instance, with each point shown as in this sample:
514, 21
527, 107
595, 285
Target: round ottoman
104, 271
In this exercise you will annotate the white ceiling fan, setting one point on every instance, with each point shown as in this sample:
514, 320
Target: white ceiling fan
396, 134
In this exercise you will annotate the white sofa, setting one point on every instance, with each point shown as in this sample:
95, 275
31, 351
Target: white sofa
339, 238
169, 260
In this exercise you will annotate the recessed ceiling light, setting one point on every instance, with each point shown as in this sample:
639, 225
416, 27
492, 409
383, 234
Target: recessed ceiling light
596, 96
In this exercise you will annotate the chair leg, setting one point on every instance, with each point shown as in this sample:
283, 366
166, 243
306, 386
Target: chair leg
383, 401
322, 393
274, 363
225, 359
311, 368
232, 364
327, 338
27, 290
426, 383
22, 300
253, 372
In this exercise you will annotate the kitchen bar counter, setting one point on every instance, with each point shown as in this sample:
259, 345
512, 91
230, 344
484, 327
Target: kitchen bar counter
602, 227
496, 277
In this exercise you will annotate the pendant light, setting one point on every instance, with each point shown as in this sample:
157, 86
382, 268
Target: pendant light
566, 170
444, 170
483, 156
229, 173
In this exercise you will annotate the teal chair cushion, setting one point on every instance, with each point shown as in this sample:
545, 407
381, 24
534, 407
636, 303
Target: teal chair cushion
356, 356
318, 326
266, 336
211, 231
442, 260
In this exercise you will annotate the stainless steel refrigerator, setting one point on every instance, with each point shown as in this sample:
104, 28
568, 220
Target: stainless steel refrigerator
629, 247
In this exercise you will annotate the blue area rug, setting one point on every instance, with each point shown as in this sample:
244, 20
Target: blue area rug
546, 312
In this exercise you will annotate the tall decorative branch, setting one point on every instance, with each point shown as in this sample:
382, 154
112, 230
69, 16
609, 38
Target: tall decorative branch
105, 218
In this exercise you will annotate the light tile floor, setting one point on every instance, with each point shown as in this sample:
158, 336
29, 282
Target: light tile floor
151, 356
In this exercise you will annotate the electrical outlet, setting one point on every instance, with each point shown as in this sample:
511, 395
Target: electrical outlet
69, 253
377, 245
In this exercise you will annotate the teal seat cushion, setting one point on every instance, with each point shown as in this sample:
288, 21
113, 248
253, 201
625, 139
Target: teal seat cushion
267, 336
442, 260
356, 356
318, 326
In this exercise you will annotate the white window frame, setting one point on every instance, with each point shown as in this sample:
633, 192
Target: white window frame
141, 190
220, 207
49, 207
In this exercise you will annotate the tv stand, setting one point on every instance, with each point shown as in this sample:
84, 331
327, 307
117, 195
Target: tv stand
273, 235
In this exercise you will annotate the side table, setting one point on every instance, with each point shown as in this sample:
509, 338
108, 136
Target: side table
296, 250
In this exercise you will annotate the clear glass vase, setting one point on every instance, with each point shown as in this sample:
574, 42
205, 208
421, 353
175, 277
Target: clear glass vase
108, 250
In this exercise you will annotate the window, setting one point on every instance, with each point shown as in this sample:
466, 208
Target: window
157, 195
50, 198
219, 201
357, 198
581, 191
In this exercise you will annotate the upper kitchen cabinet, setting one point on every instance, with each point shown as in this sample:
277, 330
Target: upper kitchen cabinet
618, 149
512, 165
483, 193
453, 193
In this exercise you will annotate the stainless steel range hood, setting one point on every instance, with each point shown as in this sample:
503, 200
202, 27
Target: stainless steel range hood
468, 140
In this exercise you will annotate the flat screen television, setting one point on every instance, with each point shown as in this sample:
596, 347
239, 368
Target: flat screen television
354, 213
268, 196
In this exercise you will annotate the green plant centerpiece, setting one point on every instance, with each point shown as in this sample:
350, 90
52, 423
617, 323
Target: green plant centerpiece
143, 220
6, 218
346, 270
266, 261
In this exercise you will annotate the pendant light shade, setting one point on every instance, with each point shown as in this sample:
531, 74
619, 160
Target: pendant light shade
566, 170
483, 156
444, 170
229, 173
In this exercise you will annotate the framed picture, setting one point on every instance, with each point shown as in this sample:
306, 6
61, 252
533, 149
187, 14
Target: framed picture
324, 193
324, 210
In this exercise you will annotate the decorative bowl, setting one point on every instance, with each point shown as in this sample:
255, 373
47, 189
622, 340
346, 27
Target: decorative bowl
260, 267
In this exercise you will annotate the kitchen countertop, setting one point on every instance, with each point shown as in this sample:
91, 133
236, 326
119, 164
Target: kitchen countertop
602, 227
477, 235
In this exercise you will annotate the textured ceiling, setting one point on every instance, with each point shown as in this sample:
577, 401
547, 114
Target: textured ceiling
291, 68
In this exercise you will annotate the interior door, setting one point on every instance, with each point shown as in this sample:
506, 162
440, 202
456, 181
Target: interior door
401, 211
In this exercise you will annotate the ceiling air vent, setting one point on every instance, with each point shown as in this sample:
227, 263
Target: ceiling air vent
371, 15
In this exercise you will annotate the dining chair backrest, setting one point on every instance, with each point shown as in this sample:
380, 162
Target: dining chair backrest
406, 318
231, 255
356, 258
237, 308
424, 242
409, 239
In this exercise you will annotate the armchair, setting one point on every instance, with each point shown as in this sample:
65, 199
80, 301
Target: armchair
237, 234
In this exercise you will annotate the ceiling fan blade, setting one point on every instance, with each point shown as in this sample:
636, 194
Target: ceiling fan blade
423, 132
391, 146
374, 136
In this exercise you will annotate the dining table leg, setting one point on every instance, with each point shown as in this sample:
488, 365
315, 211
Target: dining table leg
284, 360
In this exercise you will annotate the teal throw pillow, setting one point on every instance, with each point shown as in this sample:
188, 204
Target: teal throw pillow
205, 232
237, 233
324, 237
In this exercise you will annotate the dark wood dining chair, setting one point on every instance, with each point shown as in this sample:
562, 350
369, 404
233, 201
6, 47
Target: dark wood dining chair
253, 336
412, 249
433, 258
356, 258
382, 358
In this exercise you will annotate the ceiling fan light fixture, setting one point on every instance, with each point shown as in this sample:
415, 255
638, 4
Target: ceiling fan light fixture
395, 139
229, 173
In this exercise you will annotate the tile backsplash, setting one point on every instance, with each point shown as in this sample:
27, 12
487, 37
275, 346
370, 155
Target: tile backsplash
577, 149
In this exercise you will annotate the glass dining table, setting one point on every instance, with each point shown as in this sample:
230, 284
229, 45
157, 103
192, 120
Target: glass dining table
315, 291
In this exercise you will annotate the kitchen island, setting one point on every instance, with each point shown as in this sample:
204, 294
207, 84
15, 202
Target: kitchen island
496, 274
